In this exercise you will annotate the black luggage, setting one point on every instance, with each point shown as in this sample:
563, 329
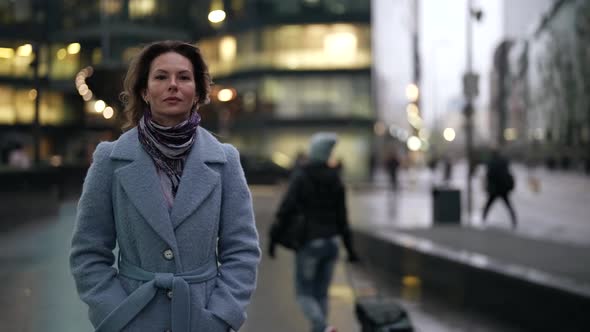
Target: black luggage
378, 314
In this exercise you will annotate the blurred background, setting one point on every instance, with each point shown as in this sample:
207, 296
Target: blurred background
419, 91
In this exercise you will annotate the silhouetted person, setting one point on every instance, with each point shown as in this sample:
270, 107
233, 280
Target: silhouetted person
447, 170
499, 183
317, 193
392, 165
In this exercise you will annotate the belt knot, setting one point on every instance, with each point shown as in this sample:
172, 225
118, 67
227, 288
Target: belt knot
164, 280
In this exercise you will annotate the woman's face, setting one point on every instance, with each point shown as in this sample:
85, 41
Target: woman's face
171, 88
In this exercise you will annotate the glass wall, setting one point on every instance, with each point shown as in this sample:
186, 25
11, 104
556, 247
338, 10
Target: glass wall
15, 12
311, 96
320, 96
283, 144
60, 61
16, 59
17, 106
65, 61
291, 47
76, 13
298, 9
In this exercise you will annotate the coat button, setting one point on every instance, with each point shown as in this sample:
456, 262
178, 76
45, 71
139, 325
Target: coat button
169, 294
168, 254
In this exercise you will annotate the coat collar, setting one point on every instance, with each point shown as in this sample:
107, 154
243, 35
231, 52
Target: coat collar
141, 183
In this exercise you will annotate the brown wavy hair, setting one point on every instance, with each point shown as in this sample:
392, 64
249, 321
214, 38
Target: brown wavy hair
136, 79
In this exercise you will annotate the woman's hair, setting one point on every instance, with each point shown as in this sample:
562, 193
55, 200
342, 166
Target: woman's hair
136, 79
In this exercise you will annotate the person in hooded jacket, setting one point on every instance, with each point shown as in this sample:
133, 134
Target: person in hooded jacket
317, 193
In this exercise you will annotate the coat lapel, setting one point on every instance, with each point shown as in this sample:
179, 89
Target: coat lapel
141, 183
198, 179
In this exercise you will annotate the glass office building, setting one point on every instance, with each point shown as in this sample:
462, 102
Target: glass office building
295, 67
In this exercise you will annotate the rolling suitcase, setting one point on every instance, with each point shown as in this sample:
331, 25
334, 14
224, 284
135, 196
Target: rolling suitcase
377, 313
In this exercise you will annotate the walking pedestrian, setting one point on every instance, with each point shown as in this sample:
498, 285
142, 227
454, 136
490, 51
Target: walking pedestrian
447, 170
317, 193
499, 184
175, 202
392, 165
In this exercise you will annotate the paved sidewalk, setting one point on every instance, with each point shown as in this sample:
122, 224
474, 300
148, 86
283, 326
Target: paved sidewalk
548, 247
558, 213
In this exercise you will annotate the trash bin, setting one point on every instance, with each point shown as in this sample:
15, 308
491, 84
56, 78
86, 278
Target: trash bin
446, 205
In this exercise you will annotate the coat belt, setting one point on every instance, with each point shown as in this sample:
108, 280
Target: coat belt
136, 301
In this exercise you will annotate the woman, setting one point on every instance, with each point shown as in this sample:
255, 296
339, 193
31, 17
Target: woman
176, 203
317, 193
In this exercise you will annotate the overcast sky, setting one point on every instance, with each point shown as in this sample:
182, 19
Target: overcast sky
443, 52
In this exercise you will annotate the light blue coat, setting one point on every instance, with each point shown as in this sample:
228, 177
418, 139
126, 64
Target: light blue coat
211, 221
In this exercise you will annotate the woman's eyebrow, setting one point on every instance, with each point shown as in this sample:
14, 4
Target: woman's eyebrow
182, 71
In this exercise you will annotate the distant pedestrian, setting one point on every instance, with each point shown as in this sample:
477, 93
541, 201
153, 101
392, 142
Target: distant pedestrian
392, 165
447, 170
317, 194
499, 184
18, 157
174, 201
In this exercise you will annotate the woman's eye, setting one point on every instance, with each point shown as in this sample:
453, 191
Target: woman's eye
160, 77
185, 78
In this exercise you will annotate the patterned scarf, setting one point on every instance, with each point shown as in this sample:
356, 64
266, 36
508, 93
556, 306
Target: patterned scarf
168, 146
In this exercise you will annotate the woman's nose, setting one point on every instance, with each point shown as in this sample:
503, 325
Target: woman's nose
173, 84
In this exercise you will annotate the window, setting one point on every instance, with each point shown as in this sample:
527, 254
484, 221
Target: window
291, 47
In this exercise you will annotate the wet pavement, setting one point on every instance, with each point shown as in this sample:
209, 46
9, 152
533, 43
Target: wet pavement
557, 213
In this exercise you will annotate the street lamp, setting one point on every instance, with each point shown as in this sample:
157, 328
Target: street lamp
216, 12
470, 91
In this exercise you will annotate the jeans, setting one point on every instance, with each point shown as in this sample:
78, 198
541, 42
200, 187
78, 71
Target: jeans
314, 267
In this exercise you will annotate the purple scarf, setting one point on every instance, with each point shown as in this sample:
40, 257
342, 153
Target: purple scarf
168, 146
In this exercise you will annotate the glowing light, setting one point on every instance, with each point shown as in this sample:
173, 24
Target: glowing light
225, 95
449, 134
32, 94
415, 120
99, 106
216, 12
340, 44
379, 128
108, 112
62, 53
412, 92
414, 143
87, 96
510, 134
6, 53
412, 109
411, 281
83, 89
227, 48
281, 159
74, 48
216, 16
55, 160
24, 50
424, 134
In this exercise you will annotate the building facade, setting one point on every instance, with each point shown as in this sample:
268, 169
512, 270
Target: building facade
544, 112
292, 67
61, 67
296, 67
